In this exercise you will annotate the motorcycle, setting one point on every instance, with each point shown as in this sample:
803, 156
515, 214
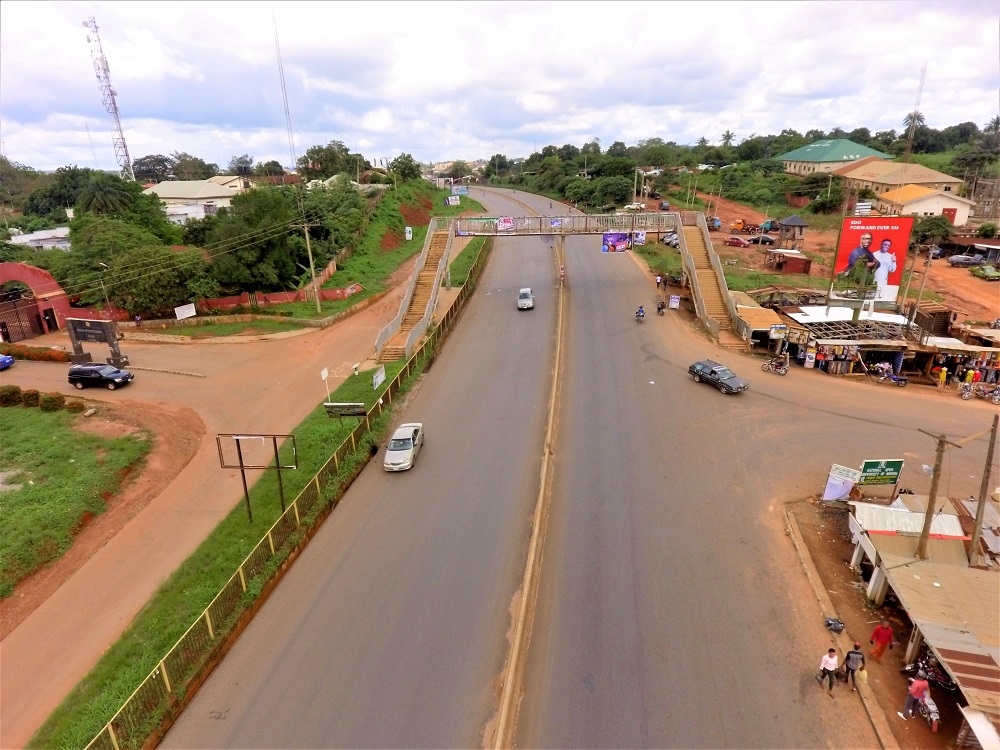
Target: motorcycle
776, 365
900, 380
936, 675
980, 391
639, 315
995, 323
927, 708
661, 307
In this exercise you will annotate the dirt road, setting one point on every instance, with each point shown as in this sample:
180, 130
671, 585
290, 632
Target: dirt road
60, 621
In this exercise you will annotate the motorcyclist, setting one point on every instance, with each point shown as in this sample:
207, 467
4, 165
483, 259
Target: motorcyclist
661, 305
640, 313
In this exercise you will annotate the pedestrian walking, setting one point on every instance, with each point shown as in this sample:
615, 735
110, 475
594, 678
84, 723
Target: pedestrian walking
853, 661
138, 321
882, 637
942, 377
828, 669
659, 280
970, 373
919, 689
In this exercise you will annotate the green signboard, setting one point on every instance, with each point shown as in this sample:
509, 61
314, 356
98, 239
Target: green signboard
885, 471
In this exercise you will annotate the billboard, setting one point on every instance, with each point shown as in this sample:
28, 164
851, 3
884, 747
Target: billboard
459, 189
881, 471
872, 251
615, 242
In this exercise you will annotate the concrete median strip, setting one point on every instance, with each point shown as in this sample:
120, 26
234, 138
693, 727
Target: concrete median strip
171, 372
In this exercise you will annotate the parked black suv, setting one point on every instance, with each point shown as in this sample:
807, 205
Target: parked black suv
80, 376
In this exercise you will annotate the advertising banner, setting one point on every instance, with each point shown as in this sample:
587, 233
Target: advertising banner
459, 189
639, 237
882, 471
872, 251
185, 311
840, 482
615, 242
505, 223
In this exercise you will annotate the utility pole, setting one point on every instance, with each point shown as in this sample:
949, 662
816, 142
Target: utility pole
312, 268
920, 292
974, 556
932, 496
936, 478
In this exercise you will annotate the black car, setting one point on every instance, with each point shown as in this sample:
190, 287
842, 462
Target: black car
718, 375
761, 239
80, 376
654, 195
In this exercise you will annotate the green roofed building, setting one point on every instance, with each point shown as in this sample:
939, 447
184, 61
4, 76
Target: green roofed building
826, 156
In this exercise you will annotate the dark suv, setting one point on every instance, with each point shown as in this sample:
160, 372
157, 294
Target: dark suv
80, 376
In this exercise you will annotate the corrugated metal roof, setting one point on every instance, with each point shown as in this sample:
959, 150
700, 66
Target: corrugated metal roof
839, 149
875, 518
985, 726
823, 313
918, 504
758, 318
957, 609
944, 551
991, 512
895, 173
907, 193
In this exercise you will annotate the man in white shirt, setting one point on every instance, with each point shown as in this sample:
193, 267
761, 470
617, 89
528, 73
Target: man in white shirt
885, 261
828, 668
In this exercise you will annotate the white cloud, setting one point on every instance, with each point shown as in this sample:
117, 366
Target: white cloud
466, 80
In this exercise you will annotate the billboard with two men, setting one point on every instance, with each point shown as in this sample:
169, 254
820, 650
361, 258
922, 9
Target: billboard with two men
872, 252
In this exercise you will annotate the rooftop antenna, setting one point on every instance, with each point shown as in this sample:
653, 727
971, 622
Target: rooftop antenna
108, 95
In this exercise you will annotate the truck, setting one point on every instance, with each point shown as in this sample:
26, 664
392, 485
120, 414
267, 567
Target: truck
741, 225
714, 223
770, 225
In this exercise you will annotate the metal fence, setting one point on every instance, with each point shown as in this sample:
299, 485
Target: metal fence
161, 691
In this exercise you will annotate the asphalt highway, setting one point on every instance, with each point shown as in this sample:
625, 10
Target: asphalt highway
672, 610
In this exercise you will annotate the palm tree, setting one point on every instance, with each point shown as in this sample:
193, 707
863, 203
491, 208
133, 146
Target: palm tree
914, 119
703, 142
105, 194
993, 128
728, 138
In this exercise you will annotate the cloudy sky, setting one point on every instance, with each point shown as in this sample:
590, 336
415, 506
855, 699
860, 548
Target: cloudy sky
466, 80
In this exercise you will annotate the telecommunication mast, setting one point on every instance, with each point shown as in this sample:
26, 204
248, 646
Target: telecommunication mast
108, 95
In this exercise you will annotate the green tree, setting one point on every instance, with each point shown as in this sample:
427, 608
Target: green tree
251, 241
62, 192
592, 148
458, 170
240, 165
613, 190
406, 167
728, 137
269, 169
497, 165
153, 168
934, 229
152, 280
987, 230
323, 162
105, 194
187, 167
617, 149
914, 119
702, 143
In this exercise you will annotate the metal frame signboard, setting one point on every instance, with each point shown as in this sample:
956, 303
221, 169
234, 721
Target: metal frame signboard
882, 471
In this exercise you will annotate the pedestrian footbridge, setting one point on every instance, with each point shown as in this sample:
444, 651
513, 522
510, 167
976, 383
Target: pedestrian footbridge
702, 267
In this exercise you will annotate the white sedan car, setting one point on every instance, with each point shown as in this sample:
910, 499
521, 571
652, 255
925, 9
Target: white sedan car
403, 447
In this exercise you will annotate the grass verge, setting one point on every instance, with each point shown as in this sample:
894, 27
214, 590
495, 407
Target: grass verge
65, 477
171, 611
371, 264
462, 263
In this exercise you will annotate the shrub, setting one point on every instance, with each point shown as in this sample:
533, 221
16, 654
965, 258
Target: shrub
34, 353
51, 401
10, 395
76, 406
30, 398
